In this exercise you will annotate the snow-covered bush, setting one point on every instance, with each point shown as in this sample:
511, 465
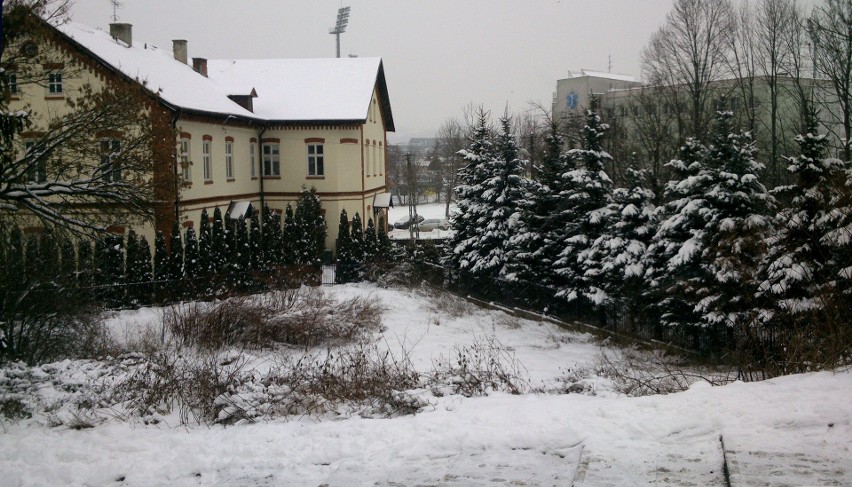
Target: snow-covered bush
303, 316
476, 369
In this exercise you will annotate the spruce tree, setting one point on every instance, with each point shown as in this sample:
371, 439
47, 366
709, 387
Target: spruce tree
256, 258
808, 268
358, 250
175, 270
191, 258
161, 261
385, 246
130, 267
218, 244
535, 247
616, 261
49, 257
144, 272
706, 247
311, 228
204, 244
345, 270
288, 237
68, 265
586, 197
371, 243
242, 264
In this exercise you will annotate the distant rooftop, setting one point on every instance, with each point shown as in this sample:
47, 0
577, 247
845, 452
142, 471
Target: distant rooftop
601, 74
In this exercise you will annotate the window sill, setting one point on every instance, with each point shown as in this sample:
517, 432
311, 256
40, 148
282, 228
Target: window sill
208, 182
314, 177
254, 178
54, 97
230, 180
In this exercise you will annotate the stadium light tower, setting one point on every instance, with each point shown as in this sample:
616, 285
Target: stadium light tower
340, 27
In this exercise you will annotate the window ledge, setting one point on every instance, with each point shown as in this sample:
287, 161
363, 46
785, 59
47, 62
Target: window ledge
314, 177
230, 180
54, 97
254, 178
208, 182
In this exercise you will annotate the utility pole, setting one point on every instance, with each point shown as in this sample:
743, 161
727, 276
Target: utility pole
411, 180
340, 26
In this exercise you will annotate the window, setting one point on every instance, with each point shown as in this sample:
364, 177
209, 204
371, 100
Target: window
184, 160
229, 160
36, 171
13, 84
271, 160
316, 162
368, 157
110, 165
252, 152
207, 160
54, 83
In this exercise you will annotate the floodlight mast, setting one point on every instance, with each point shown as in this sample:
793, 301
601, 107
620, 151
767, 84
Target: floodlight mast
340, 27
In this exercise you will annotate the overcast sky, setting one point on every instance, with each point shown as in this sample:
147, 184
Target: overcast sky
439, 55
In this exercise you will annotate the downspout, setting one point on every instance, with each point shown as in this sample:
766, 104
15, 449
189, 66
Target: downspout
176, 179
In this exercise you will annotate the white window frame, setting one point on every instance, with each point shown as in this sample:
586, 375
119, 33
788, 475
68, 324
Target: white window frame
316, 160
271, 159
185, 163
207, 160
229, 160
54, 84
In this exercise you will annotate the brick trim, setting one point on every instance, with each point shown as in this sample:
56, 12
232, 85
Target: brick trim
348, 141
229, 139
315, 140
185, 135
271, 140
207, 137
188, 224
53, 66
253, 140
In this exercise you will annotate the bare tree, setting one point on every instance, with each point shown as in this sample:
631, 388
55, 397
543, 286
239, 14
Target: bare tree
687, 54
82, 169
831, 28
451, 140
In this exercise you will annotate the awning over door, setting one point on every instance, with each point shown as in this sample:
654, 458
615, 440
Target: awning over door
239, 209
383, 200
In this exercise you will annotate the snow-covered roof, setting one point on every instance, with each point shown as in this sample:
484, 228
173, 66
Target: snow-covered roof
601, 74
302, 89
175, 82
288, 90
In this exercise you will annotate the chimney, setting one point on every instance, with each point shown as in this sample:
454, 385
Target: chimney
122, 32
199, 64
179, 48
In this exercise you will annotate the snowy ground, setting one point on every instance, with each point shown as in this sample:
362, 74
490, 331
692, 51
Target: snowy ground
793, 430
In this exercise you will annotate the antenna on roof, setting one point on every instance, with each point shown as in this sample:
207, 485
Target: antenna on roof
340, 26
609, 63
115, 5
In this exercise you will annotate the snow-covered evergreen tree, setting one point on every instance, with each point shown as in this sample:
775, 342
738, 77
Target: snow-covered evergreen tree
310, 228
191, 257
204, 244
371, 243
706, 249
288, 237
358, 249
272, 239
809, 262
615, 262
161, 259
256, 260
345, 269
175, 271
218, 243
492, 197
535, 247
586, 195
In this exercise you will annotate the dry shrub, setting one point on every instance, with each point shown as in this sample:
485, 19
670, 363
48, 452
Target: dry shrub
644, 373
485, 365
304, 317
